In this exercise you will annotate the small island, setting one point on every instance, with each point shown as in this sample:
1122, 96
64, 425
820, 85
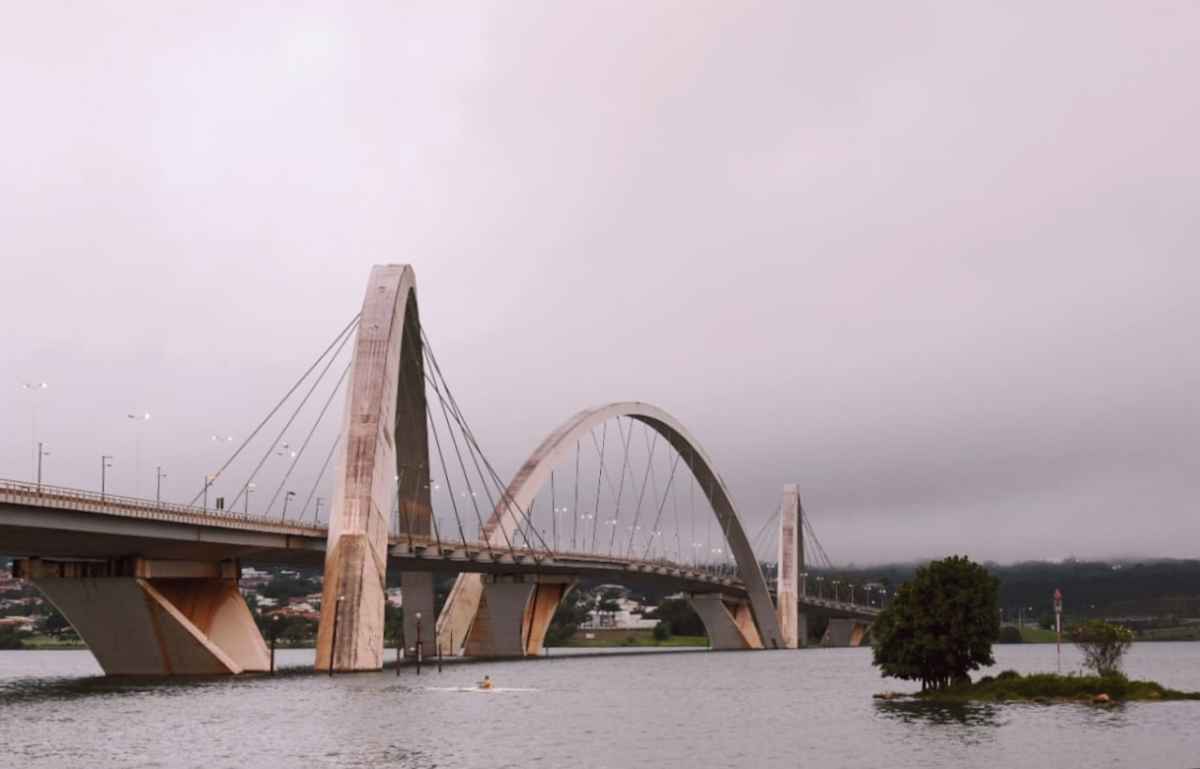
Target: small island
942, 625
1011, 686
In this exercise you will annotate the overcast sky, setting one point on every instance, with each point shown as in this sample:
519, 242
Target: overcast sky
936, 263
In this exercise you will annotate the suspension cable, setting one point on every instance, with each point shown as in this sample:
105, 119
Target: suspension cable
307, 438
278, 405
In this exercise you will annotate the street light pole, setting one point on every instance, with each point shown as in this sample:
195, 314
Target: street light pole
33, 387
286, 498
159, 475
41, 453
250, 487
104, 465
139, 420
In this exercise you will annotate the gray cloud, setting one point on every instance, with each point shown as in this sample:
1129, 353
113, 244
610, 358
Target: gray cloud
936, 263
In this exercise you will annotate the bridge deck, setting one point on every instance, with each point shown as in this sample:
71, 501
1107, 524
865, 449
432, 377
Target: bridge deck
54, 522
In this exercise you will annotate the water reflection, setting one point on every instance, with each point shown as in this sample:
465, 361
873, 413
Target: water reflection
980, 714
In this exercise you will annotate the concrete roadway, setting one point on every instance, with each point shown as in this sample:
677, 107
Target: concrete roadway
54, 523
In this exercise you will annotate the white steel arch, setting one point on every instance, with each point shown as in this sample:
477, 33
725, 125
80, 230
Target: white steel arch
463, 602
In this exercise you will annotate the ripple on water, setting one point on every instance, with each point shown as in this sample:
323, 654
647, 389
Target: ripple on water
811, 707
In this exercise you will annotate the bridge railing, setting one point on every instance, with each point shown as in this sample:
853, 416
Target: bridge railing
136, 506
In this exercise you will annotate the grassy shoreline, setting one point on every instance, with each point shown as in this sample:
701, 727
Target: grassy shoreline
1011, 686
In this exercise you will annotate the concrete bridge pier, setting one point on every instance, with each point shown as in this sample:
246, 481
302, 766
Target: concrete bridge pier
730, 623
153, 617
513, 615
846, 632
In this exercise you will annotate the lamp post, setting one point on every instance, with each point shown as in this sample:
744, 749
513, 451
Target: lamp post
820, 587
286, 498
250, 487
317, 511
867, 589
836, 582
33, 388
138, 420
804, 583
41, 453
158, 479
105, 463
850, 587
208, 481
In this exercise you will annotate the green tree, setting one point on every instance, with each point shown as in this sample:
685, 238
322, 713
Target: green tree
680, 615
1103, 645
939, 626
662, 631
572, 612
10, 638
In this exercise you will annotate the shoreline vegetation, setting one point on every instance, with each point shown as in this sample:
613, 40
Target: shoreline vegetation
1049, 688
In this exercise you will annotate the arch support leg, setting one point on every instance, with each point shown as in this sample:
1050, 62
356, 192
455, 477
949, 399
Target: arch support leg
729, 626
513, 615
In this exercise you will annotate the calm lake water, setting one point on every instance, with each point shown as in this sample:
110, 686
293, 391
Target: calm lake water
681, 709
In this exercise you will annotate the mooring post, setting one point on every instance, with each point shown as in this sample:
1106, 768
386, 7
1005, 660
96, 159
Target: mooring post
399, 647
420, 649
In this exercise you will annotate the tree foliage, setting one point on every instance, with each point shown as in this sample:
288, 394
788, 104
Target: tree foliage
11, 638
573, 611
680, 617
1103, 645
940, 625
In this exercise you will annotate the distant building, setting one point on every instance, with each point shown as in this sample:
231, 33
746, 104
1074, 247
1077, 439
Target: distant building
18, 623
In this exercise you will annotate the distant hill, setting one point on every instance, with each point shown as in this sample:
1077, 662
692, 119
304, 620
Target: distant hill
1127, 589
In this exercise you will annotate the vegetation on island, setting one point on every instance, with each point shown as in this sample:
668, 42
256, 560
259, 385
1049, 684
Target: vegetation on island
940, 626
1051, 687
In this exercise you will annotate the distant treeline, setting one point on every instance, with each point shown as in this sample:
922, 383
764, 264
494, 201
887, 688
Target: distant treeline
1090, 588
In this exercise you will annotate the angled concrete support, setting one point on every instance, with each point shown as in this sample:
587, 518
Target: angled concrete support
142, 617
730, 624
513, 615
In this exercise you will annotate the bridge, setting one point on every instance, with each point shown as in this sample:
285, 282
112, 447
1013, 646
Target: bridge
152, 586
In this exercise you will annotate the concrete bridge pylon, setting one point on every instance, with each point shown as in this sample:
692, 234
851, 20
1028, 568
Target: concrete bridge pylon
383, 458
793, 624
